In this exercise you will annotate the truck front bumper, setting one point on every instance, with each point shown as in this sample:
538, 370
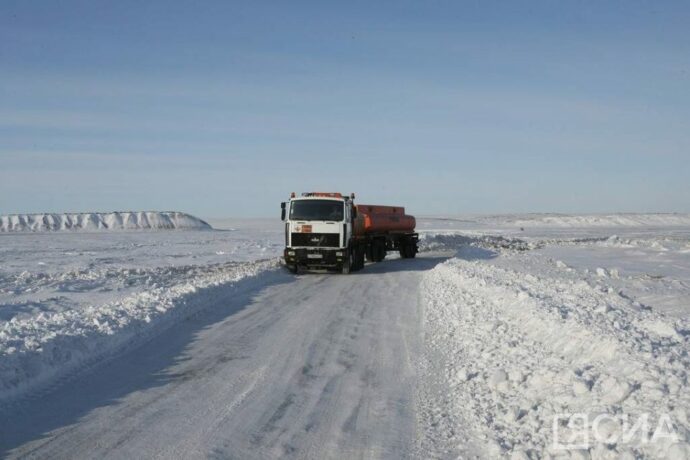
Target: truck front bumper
314, 257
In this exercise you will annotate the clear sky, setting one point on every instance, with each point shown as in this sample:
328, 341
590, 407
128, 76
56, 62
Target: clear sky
223, 108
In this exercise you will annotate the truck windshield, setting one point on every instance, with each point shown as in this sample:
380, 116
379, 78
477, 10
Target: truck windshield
316, 210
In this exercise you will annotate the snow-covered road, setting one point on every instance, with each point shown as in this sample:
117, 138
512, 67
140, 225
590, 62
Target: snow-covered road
321, 366
195, 345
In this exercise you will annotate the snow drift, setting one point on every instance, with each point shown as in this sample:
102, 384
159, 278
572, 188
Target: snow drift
38, 350
94, 221
520, 343
596, 220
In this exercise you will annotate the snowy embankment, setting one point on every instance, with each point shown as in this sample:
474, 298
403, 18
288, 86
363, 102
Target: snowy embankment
38, 349
558, 221
600, 220
451, 241
68, 299
515, 339
95, 221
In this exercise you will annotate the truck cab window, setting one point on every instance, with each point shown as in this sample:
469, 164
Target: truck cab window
317, 210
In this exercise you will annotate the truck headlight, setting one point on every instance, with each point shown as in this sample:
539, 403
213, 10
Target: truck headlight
291, 253
339, 253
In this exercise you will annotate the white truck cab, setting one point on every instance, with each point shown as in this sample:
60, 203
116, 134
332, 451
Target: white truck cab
318, 230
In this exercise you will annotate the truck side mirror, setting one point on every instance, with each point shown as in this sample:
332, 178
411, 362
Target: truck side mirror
354, 213
282, 211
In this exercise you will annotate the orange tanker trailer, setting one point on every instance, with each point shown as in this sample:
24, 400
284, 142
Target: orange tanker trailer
373, 218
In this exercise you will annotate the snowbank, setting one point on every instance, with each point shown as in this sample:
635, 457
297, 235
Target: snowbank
38, 350
521, 344
143, 220
454, 241
596, 220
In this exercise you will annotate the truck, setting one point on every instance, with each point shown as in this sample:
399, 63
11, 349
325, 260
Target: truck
327, 230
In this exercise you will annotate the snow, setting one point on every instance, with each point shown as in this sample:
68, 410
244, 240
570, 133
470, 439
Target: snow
566, 315
501, 324
95, 221
68, 299
649, 264
297, 367
571, 346
660, 220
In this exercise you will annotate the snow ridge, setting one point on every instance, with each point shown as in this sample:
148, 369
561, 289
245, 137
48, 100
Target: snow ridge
591, 220
97, 221
518, 348
37, 351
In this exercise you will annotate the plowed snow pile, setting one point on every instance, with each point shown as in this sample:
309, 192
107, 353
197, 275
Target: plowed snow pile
559, 221
518, 341
68, 299
94, 221
600, 220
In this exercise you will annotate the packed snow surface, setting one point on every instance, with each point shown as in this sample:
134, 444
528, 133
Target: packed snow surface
94, 221
573, 220
500, 326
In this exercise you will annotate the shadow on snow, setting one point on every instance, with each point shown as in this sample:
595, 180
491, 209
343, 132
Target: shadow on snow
134, 370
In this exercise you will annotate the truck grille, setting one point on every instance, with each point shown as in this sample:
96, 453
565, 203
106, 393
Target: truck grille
326, 240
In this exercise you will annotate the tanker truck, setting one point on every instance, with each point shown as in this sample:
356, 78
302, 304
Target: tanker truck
325, 230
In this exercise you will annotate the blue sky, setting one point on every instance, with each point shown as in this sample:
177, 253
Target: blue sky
223, 108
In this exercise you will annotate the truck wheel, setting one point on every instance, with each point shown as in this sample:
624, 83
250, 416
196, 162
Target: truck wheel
380, 251
359, 258
292, 268
348, 263
408, 249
